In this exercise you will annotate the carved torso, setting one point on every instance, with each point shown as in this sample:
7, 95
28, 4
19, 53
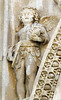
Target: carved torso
27, 31
30, 44
24, 33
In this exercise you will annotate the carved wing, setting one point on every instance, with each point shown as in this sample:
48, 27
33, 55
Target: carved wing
49, 22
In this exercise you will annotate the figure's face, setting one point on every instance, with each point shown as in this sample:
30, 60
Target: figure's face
27, 16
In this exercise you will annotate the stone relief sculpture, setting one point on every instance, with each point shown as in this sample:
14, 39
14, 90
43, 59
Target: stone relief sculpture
25, 55
58, 2
49, 22
48, 75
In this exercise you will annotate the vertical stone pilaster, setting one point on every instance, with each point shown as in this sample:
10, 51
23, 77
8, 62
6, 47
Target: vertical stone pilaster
4, 61
1, 37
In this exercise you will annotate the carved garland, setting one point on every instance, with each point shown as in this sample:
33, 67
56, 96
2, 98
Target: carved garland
51, 70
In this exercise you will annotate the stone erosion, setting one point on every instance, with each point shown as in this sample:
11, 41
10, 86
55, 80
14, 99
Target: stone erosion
25, 74
25, 55
48, 75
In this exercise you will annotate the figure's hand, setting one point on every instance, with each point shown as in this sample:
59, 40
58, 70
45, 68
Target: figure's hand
35, 37
41, 37
37, 34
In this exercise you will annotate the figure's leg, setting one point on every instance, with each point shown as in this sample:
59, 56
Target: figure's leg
27, 89
20, 80
31, 70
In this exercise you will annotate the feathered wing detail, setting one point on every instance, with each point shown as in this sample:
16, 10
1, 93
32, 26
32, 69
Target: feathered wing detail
49, 22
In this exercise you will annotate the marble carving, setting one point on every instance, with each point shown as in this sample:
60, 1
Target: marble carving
48, 75
25, 55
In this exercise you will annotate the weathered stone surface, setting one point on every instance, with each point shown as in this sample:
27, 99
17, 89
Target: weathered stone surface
58, 2
50, 82
1, 42
46, 8
26, 53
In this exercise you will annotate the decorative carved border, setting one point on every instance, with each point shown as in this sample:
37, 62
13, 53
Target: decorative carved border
50, 69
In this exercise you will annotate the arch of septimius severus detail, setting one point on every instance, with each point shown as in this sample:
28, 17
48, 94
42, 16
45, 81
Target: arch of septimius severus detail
30, 49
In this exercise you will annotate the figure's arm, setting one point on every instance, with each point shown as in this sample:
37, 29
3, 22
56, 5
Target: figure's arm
35, 37
18, 33
11, 53
19, 27
44, 36
40, 35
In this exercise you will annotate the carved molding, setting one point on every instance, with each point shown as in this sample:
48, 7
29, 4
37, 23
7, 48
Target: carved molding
50, 69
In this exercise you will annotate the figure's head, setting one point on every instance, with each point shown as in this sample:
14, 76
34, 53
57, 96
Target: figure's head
29, 15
